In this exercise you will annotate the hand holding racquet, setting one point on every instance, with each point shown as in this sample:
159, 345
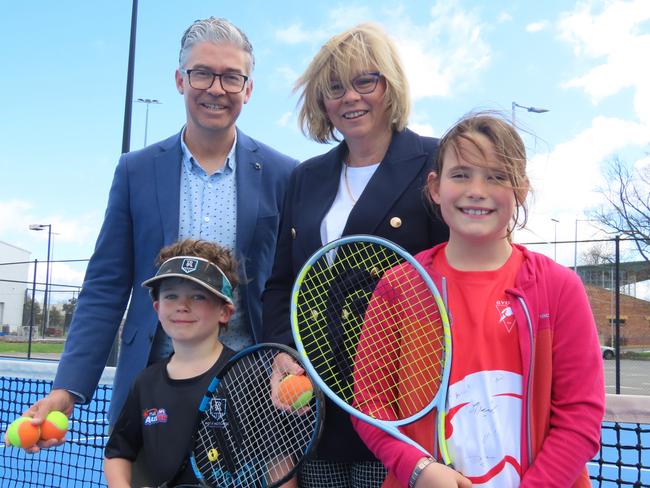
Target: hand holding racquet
242, 438
372, 328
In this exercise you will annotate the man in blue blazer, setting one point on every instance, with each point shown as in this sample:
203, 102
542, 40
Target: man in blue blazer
210, 181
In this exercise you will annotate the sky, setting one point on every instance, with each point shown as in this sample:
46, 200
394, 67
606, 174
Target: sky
63, 87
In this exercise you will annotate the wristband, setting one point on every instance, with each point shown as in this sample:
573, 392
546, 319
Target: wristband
419, 467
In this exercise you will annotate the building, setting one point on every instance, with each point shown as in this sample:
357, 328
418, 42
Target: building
634, 312
14, 278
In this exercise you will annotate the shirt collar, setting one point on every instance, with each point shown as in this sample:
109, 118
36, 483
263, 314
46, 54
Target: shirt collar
190, 161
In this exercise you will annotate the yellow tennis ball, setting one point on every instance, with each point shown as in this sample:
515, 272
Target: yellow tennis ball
55, 426
21, 433
295, 390
213, 455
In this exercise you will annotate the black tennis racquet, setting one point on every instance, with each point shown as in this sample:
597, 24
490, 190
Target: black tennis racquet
244, 438
371, 326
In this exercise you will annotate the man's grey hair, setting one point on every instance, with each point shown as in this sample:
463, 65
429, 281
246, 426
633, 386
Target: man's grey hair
215, 30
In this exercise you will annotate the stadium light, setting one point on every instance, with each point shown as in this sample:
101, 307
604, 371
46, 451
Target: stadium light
147, 101
46, 313
535, 110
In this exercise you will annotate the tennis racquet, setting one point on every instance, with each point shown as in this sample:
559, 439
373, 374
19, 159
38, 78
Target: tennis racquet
373, 332
243, 437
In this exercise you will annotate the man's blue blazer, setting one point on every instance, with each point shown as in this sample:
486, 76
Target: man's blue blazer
142, 216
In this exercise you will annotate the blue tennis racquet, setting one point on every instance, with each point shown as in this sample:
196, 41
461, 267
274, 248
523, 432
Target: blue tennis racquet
243, 437
373, 332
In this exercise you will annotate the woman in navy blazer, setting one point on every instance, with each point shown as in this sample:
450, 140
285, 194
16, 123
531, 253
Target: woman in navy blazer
371, 183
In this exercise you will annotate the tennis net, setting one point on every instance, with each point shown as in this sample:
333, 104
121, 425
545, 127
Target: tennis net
76, 463
623, 458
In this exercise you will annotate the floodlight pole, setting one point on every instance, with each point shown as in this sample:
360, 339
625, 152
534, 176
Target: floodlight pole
128, 102
147, 101
46, 315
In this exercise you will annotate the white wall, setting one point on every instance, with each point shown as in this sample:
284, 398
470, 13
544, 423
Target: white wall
13, 283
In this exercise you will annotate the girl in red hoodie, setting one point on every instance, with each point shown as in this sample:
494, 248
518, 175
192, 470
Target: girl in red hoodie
526, 393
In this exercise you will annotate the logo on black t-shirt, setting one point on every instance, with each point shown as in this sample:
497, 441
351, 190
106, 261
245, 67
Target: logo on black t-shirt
155, 416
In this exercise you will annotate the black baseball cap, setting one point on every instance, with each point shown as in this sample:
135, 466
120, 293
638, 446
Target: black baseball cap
195, 269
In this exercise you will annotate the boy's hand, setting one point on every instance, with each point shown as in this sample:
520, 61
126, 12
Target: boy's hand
437, 475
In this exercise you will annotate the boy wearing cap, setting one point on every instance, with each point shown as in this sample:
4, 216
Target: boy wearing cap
192, 294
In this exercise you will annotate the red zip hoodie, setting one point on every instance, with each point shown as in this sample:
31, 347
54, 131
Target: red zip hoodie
563, 387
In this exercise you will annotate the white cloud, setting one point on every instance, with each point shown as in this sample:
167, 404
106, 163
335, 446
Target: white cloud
615, 37
537, 26
442, 54
64, 274
17, 215
287, 74
422, 129
284, 120
14, 215
504, 17
295, 34
564, 180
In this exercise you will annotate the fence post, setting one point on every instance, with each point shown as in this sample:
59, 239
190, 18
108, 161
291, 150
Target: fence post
617, 280
31, 313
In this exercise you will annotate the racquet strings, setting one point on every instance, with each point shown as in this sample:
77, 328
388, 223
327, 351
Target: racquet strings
243, 439
371, 327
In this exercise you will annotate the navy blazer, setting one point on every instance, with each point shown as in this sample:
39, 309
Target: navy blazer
395, 191
142, 216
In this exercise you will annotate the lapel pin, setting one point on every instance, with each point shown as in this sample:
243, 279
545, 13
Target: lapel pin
293, 233
258, 166
395, 222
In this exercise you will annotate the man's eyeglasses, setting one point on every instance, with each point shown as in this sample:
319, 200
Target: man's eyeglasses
362, 84
202, 79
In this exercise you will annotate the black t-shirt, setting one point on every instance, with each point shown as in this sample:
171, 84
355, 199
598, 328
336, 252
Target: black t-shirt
159, 418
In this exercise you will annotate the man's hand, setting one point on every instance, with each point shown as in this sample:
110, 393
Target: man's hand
58, 399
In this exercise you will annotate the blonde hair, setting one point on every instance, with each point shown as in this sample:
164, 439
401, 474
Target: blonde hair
364, 47
508, 147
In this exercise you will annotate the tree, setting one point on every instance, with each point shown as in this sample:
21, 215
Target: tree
68, 310
27, 312
599, 253
627, 212
56, 318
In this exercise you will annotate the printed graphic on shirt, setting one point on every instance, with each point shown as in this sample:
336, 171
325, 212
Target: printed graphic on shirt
506, 317
217, 412
483, 422
154, 416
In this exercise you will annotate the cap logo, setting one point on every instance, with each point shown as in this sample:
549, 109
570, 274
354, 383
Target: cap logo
190, 265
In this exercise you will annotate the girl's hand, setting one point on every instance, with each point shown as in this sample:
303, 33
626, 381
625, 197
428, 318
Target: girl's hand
437, 475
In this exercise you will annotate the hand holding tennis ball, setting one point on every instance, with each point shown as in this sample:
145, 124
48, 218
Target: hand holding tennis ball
295, 390
22, 433
55, 426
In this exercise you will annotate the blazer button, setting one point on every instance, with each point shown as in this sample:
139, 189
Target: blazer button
395, 222
293, 233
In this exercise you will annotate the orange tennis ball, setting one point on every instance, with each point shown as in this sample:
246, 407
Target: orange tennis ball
55, 426
21, 433
295, 390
